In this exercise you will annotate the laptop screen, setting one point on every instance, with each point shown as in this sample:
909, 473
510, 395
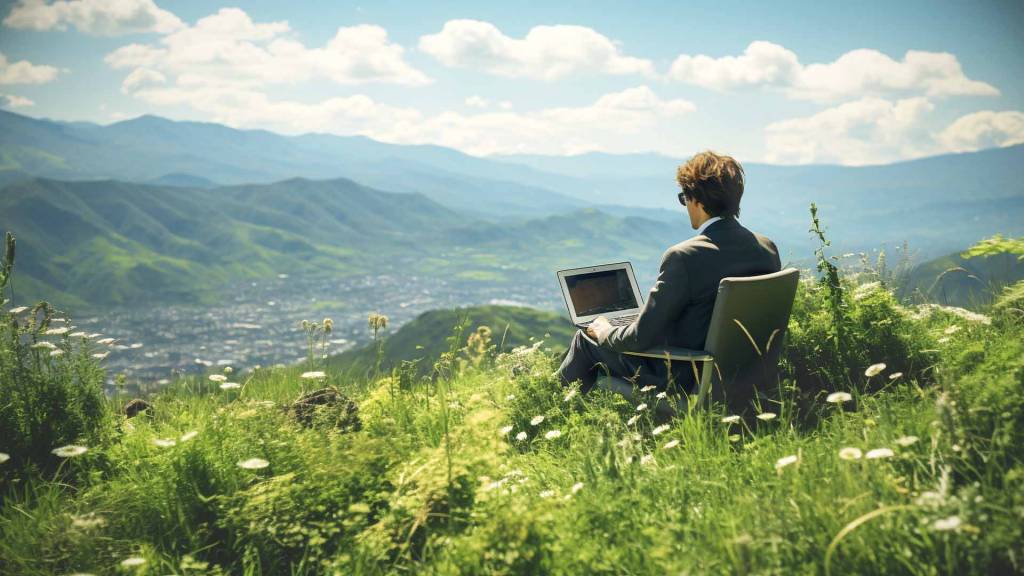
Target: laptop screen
601, 292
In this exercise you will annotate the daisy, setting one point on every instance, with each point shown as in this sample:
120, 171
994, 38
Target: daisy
253, 463
632, 420
671, 444
895, 375
101, 355
838, 397
42, 345
730, 419
106, 341
69, 451
79, 335
521, 436
317, 375
572, 394
946, 524
786, 461
850, 453
552, 434
163, 442
661, 395
766, 416
57, 331
874, 369
230, 386
56, 353
647, 388
19, 309
577, 487
536, 420
906, 440
641, 407
878, 453
4, 457
659, 429
218, 378
505, 430
133, 562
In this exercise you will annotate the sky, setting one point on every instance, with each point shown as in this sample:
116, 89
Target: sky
780, 82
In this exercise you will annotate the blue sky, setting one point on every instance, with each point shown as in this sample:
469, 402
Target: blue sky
807, 82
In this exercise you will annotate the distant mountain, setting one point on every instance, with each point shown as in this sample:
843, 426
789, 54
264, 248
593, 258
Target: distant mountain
424, 339
117, 243
937, 205
182, 180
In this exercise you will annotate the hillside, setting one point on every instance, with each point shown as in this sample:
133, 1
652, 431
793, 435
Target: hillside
114, 243
966, 282
425, 338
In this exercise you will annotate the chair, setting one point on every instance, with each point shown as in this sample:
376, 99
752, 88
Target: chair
743, 344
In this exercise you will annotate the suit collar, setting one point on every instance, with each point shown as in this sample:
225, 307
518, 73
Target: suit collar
719, 224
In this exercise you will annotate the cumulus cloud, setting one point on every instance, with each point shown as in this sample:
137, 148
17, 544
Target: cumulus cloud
477, 102
857, 73
866, 131
546, 52
13, 101
25, 72
230, 48
984, 129
617, 122
875, 131
98, 17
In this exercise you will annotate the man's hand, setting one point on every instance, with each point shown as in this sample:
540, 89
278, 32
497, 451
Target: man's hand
598, 328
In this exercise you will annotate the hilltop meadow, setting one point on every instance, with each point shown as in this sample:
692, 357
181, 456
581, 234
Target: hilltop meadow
891, 442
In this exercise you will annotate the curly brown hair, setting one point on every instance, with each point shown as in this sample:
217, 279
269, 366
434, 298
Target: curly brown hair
714, 180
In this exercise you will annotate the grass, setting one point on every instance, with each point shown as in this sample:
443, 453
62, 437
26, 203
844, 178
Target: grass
455, 473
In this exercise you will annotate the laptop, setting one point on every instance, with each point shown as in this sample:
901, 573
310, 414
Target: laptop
609, 290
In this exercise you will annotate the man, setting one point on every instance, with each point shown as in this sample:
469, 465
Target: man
678, 308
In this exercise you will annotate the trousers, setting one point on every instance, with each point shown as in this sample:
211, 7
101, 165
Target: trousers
586, 360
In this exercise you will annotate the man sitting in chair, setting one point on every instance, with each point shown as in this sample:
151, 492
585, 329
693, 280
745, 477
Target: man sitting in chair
678, 308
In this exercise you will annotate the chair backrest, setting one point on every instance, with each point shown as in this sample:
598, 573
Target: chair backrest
745, 336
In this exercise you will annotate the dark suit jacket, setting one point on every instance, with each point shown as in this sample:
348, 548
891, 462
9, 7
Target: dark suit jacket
678, 309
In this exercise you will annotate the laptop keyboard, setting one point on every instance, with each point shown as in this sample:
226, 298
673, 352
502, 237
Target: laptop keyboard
622, 320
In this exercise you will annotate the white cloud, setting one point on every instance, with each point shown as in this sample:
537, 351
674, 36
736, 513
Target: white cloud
99, 17
857, 73
866, 131
618, 122
13, 101
25, 72
984, 129
876, 131
228, 48
477, 102
141, 78
546, 52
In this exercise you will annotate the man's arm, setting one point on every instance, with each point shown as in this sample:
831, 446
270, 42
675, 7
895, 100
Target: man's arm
665, 302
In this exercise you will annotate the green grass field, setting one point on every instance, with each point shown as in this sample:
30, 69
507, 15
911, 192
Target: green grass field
486, 465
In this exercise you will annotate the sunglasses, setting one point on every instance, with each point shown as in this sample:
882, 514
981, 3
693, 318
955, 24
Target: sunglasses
682, 198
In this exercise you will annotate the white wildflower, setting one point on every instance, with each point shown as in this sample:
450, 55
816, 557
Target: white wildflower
661, 395
874, 369
946, 524
253, 463
943, 340
4, 457
101, 355
106, 341
646, 459
133, 562
907, 440
547, 494
230, 386
731, 419
766, 416
572, 394
43, 345
632, 420
552, 434
536, 420
56, 331
641, 407
895, 375
577, 487
850, 453
671, 444
19, 309
189, 435
69, 451
951, 330
786, 461
521, 436
164, 442
864, 289
136, 345
510, 397
838, 397
218, 378
78, 335
879, 453
315, 375
659, 429
505, 430
56, 353
647, 388
227, 369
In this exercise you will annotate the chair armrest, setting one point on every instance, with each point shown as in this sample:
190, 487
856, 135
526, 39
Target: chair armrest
673, 353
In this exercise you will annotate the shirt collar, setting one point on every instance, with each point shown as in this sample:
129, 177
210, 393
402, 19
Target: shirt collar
707, 223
